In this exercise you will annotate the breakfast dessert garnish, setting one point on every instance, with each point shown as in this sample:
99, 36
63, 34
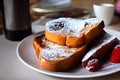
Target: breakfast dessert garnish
115, 56
63, 31
68, 42
93, 65
100, 49
55, 57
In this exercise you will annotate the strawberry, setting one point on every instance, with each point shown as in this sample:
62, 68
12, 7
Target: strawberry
115, 56
93, 65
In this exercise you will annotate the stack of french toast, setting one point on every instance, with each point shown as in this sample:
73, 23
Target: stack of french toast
69, 42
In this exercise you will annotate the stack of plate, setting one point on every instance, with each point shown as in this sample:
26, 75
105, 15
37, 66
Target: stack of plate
56, 8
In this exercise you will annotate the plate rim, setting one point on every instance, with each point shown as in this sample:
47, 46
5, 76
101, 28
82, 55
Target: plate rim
54, 73
37, 9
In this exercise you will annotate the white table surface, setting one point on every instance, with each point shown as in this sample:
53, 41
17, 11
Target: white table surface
11, 68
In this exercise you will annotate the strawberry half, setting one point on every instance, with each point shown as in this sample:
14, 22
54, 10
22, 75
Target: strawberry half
93, 65
115, 56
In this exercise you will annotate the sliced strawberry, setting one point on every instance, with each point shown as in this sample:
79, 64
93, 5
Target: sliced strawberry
115, 56
93, 65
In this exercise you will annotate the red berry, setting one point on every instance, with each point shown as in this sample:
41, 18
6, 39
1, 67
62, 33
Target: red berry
93, 65
115, 56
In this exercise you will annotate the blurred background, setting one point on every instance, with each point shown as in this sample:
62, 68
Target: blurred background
63, 8
49, 9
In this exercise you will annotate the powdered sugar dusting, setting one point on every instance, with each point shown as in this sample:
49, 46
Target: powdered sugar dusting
93, 65
69, 26
105, 40
93, 21
54, 51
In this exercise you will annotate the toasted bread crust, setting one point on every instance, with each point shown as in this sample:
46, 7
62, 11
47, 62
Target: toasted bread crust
100, 49
57, 38
93, 32
65, 40
86, 36
75, 41
63, 64
36, 44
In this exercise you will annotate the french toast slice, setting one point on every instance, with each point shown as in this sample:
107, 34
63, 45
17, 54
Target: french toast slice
55, 57
73, 33
100, 48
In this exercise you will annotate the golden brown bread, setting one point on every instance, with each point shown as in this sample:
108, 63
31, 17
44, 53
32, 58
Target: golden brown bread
51, 58
54, 57
37, 44
62, 50
93, 31
101, 48
73, 33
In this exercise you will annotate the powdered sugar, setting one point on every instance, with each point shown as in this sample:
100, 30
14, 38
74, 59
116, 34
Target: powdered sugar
70, 26
93, 65
105, 40
54, 51
67, 26
93, 21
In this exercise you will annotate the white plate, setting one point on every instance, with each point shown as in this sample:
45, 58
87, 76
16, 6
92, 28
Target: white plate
26, 54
